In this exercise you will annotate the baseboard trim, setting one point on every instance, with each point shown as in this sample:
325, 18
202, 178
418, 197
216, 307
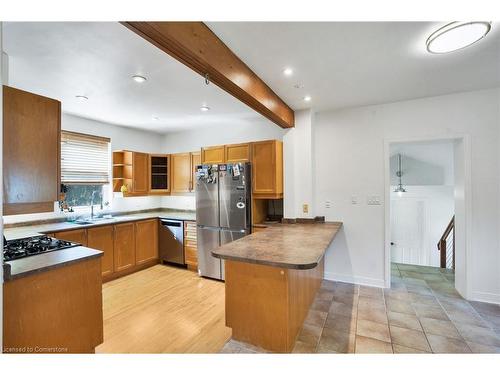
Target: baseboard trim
485, 297
332, 276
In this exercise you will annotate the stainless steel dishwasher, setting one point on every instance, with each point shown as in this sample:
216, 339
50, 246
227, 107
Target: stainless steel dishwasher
171, 241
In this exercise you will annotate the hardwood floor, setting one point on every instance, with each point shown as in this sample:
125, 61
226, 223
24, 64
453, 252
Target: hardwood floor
163, 310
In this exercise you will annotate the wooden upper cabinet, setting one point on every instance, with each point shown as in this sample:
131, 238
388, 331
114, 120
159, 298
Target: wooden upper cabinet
31, 152
195, 160
267, 169
146, 241
76, 235
101, 238
237, 153
124, 246
213, 155
140, 168
159, 174
181, 173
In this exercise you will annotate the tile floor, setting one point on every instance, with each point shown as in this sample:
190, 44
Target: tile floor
421, 313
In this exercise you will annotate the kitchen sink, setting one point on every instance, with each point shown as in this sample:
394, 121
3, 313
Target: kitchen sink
93, 221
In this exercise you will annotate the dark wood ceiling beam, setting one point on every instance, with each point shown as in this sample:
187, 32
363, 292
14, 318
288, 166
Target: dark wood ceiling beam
196, 46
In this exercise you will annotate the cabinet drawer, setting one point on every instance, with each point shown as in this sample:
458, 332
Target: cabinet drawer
191, 255
190, 243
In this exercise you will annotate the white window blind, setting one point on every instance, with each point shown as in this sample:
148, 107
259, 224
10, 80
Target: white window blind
85, 159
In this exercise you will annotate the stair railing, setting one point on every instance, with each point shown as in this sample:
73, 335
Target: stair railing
446, 246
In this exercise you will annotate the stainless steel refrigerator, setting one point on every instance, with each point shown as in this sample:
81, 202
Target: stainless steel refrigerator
223, 211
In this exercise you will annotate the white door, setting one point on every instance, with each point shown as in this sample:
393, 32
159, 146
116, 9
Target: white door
408, 231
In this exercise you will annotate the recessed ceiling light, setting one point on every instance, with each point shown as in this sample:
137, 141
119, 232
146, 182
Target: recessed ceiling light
156, 118
82, 97
457, 35
139, 79
288, 72
204, 108
307, 98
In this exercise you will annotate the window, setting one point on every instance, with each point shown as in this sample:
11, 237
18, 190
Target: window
85, 168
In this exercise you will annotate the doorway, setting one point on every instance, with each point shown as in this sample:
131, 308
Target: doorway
427, 195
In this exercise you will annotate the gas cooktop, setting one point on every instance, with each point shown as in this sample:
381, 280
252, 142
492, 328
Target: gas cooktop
25, 247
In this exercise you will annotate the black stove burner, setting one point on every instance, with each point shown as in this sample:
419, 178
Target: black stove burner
25, 247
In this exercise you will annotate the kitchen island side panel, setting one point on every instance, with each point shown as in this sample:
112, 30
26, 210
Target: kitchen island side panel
266, 306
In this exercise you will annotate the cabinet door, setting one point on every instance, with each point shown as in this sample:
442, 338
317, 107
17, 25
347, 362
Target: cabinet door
212, 155
77, 235
181, 172
146, 240
140, 172
195, 160
101, 238
267, 164
31, 152
237, 153
124, 246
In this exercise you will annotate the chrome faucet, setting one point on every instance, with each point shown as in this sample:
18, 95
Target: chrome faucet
92, 205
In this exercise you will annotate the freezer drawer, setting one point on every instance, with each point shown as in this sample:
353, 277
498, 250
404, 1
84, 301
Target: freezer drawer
208, 239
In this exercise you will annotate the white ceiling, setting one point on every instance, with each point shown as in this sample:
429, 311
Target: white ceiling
61, 60
340, 64
346, 64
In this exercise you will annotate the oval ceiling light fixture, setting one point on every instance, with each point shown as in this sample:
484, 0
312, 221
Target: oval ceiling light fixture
82, 98
288, 72
139, 78
204, 108
457, 35
307, 98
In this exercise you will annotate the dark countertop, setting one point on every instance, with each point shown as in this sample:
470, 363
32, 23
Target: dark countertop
296, 246
34, 230
43, 262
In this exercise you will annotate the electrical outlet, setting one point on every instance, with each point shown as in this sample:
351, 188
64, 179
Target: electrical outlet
354, 199
305, 208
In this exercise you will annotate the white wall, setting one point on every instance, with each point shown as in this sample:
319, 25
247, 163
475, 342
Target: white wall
121, 138
299, 167
349, 160
193, 140
423, 163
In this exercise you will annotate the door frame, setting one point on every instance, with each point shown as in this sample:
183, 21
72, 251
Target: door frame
465, 138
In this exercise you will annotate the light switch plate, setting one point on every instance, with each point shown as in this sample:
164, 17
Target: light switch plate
354, 199
328, 204
373, 200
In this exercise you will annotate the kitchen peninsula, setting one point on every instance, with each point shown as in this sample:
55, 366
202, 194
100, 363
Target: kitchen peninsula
272, 278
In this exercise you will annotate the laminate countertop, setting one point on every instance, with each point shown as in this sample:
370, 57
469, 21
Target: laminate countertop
43, 262
296, 246
22, 231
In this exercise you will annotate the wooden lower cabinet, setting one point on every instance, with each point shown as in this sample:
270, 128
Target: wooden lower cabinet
101, 238
146, 241
190, 245
124, 240
55, 311
127, 247
77, 235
